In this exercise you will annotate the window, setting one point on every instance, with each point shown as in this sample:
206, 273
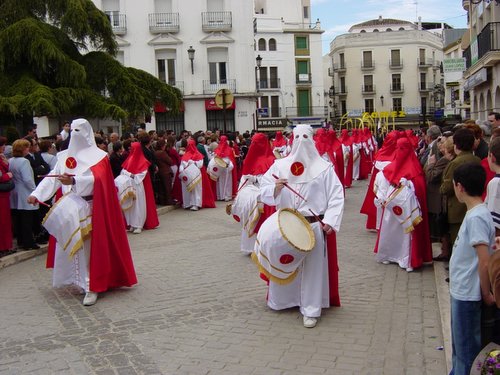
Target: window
395, 57
303, 71
263, 78
165, 65
397, 104
306, 12
363, 31
262, 44
275, 106
342, 85
217, 72
389, 29
396, 82
375, 30
273, 77
168, 121
342, 60
272, 44
367, 59
369, 106
301, 42
215, 120
423, 83
368, 83
401, 29
421, 54
343, 107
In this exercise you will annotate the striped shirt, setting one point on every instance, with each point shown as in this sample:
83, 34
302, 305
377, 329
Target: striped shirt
492, 199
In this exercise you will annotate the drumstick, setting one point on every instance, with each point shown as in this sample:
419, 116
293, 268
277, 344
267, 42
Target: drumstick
54, 175
316, 217
43, 203
287, 186
246, 180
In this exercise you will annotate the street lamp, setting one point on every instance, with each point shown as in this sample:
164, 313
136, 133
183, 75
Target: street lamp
258, 63
191, 51
382, 100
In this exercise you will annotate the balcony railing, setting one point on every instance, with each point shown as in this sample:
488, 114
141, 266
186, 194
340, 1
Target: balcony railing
368, 89
216, 21
396, 64
488, 40
425, 87
163, 23
339, 67
118, 22
367, 65
269, 84
425, 63
177, 84
211, 87
307, 111
303, 78
340, 91
397, 88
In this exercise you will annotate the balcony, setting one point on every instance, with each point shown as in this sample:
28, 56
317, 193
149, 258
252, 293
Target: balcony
269, 84
425, 87
303, 78
436, 65
177, 84
488, 44
368, 89
118, 22
331, 72
340, 91
216, 21
397, 88
425, 63
163, 23
339, 68
211, 87
367, 65
396, 64
307, 111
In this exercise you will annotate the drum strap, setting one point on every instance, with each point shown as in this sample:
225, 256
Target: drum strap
313, 219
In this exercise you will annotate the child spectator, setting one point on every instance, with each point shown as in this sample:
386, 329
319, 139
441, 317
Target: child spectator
469, 281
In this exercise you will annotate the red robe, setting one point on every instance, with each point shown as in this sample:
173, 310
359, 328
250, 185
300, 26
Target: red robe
151, 214
111, 264
207, 194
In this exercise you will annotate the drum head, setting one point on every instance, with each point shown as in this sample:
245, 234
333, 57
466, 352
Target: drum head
296, 230
220, 162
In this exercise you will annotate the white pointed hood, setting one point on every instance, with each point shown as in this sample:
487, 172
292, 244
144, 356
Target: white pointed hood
82, 152
304, 163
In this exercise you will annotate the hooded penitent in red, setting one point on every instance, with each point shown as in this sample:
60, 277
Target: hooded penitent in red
223, 150
259, 157
136, 163
346, 140
406, 165
207, 193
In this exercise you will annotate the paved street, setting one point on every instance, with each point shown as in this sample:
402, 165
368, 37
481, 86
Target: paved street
199, 308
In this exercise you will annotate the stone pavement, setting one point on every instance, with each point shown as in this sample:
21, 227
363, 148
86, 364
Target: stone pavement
199, 308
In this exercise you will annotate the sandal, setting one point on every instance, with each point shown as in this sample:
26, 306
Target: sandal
441, 258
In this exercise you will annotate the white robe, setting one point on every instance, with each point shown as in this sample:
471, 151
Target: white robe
75, 270
193, 197
225, 182
356, 152
135, 216
400, 212
325, 196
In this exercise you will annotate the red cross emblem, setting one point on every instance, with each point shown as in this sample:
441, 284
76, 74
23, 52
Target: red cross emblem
71, 163
297, 168
286, 258
184, 178
237, 218
215, 169
397, 210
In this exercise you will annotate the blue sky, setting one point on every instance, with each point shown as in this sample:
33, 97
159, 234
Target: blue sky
337, 16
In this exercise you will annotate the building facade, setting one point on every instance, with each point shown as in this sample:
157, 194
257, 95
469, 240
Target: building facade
481, 46
389, 69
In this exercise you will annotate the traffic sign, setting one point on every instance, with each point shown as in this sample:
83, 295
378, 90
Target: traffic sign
224, 98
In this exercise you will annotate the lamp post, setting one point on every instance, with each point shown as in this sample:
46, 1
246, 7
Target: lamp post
258, 64
191, 52
382, 100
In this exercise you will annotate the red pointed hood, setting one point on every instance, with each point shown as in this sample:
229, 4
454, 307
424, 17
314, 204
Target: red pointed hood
136, 162
279, 140
321, 141
345, 138
259, 157
404, 163
386, 152
223, 150
192, 152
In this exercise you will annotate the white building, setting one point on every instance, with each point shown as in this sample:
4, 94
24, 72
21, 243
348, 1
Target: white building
388, 68
290, 78
481, 46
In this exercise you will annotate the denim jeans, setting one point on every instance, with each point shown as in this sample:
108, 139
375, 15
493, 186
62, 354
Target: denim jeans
465, 334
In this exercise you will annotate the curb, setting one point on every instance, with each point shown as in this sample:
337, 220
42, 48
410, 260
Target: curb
443, 296
21, 256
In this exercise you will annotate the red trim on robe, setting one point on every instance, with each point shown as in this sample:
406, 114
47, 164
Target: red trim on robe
368, 207
151, 214
333, 269
207, 195
349, 169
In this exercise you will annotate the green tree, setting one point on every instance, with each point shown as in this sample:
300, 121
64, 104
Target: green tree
46, 68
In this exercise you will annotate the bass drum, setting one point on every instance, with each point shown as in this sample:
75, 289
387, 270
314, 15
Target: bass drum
283, 242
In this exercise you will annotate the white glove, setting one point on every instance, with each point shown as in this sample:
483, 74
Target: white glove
378, 202
403, 181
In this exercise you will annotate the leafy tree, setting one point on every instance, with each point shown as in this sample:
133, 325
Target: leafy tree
46, 67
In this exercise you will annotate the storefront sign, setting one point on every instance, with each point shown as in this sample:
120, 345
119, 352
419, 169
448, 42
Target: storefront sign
475, 79
271, 123
210, 105
454, 65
